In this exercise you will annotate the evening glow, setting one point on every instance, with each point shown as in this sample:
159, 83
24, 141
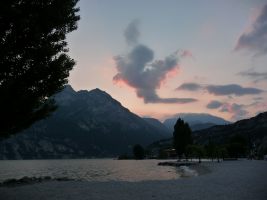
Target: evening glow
160, 58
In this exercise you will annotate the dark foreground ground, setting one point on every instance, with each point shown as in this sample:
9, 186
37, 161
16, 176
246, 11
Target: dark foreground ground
229, 180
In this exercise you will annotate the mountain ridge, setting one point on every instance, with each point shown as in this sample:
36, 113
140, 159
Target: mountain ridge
86, 124
196, 121
254, 129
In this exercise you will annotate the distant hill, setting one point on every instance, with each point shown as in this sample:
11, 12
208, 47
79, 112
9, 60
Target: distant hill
158, 125
86, 124
254, 129
196, 121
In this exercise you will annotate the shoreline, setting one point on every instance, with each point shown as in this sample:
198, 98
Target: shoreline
184, 169
231, 180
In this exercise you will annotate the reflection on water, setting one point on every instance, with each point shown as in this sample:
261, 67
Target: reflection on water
88, 169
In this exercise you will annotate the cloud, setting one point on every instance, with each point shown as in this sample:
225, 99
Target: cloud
232, 89
139, 70
214, 104
256, 76
221, 90
258, 98
187, 53
132, 33
237, 110
189, 87
255, 38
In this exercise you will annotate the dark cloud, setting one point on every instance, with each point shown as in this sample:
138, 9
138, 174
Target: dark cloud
189, 87
220, 90
256, 76
232, 89
255, 38
214, 104
139, 70
132, 33
150, 96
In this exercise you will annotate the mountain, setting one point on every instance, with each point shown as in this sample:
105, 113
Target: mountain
86, 124
158, 125
196, 121
200, 126
253, 129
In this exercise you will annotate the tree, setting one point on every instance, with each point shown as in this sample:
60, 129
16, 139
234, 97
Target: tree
211, 149
196, 151
221, 152
33, 60
190, 151
237, 146
181, 137
138, 151
261, 149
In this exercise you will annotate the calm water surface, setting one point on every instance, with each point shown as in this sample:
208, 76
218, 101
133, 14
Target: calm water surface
88, 169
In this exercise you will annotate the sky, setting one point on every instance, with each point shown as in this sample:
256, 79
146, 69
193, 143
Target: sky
160, 58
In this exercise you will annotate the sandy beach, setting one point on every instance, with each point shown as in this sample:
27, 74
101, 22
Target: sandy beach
228, 180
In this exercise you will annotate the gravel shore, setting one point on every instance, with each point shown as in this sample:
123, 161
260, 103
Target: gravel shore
228, 180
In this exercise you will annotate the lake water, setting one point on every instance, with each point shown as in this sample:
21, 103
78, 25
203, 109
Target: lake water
88, 169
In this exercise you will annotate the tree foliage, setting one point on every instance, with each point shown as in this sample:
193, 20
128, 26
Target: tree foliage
138, 152
33, 60
196, 151
181, 137
237, 146
211, 149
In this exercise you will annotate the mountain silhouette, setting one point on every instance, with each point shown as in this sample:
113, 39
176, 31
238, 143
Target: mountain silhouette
86, 124
196, 121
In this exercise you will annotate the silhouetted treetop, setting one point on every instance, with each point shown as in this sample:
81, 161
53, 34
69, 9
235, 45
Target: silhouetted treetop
33, 60
181, 137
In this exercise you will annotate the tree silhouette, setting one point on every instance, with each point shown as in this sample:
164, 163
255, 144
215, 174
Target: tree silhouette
33, 60
196, 151
238, 146
138, 151
211, 149
181, 137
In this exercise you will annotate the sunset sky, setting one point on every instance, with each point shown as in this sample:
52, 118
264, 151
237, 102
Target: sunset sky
159, 58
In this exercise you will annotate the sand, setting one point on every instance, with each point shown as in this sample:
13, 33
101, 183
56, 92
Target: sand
228, 180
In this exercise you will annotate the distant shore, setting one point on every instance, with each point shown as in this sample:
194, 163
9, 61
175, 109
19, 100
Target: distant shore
228, 180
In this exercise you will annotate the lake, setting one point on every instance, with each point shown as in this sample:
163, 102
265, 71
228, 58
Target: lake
88, 169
